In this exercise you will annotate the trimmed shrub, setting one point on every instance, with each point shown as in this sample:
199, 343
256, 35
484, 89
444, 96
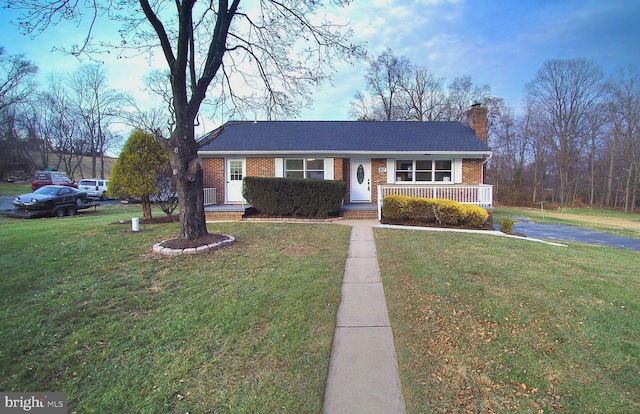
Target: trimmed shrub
475, 216
396, 207
294, 197
449, 212
506, 225
429, 210
421, 209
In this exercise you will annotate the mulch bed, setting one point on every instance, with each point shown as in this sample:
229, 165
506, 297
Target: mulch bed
179, 243
433, 224
162, 219
154, 220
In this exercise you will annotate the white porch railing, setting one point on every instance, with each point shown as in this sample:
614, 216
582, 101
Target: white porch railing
481, 195
209, 196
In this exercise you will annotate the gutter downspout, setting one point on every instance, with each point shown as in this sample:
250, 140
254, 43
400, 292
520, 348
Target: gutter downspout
484, 165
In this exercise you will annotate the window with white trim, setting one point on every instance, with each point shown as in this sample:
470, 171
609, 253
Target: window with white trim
304, 168
423, 171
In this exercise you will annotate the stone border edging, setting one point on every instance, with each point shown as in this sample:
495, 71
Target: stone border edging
158, 248
291, 219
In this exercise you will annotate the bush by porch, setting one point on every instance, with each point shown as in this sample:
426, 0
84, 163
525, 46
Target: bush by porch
433, 210
294, 197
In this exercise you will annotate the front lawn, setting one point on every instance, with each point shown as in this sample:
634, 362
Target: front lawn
88, 309
489, 324
481, 323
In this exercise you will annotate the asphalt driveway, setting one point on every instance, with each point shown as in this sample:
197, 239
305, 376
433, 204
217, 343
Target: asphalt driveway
563, 232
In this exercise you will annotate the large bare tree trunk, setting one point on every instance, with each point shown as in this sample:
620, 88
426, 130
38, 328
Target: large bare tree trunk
190, 186
189, 179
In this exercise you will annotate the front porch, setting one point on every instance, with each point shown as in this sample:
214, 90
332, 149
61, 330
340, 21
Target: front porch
481, 195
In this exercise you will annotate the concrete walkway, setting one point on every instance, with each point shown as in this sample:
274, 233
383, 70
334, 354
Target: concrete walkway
363, 369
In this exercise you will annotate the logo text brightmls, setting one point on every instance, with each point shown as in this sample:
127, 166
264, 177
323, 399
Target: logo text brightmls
26, 405
22, 402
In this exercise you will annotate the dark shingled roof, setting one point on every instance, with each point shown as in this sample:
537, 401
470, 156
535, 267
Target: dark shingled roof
345, 136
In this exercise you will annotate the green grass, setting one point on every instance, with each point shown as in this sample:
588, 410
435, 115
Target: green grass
88, 309
482, 324
487, 324
11, 189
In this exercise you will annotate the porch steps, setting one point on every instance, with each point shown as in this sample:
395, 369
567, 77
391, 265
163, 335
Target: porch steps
359, 214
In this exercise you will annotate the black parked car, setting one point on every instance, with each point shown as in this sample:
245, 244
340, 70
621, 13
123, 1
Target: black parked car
50, 198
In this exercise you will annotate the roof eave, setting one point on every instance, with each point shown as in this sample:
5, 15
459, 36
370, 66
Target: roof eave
343, 153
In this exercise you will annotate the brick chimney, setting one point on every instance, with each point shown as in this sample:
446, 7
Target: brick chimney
477, 119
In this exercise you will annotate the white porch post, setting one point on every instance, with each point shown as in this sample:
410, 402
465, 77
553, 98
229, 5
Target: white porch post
380, 202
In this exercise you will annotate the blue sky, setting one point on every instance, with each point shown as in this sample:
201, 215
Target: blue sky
500, 43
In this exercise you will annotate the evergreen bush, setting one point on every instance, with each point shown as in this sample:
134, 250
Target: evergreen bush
506, 225
293, 196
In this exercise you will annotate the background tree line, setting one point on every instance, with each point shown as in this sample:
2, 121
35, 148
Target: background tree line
574, 141
58, 124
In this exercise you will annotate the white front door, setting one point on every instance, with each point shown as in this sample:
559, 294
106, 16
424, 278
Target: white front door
360, 180
236, 170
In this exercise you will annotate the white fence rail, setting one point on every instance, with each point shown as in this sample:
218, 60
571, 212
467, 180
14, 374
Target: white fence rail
481, 195
209, 196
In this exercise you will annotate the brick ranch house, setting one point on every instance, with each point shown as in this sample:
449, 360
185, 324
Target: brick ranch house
426, 159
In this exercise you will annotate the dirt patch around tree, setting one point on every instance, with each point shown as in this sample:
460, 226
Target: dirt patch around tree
179, 244
161, 219
154, 220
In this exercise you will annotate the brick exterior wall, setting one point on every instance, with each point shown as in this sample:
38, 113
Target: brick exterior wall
377, 177
360, 214
472, 172
214, 176
223, 215
261, 167
346, 174
477, 119
338, 169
